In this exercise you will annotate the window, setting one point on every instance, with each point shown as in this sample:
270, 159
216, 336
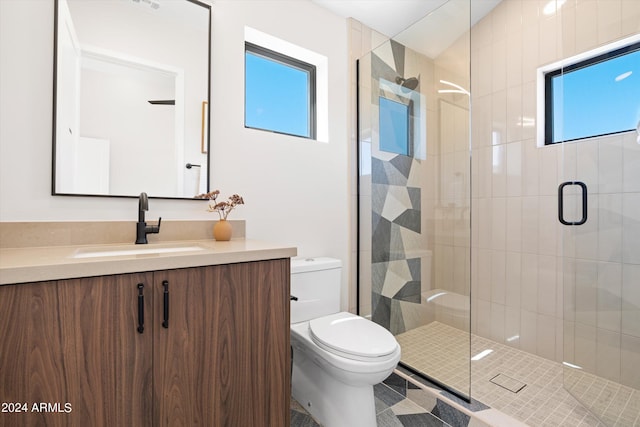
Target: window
596, 96
280, 93
394, 126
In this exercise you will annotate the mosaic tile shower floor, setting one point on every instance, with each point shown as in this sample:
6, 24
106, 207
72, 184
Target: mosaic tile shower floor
541, 402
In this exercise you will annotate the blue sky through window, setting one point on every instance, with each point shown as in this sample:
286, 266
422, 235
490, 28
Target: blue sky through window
599, 99
394, 126
276, 96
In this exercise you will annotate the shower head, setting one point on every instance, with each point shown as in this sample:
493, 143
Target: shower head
411, 83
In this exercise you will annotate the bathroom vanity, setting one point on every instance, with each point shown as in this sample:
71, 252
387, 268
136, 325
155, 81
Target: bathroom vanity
198, 336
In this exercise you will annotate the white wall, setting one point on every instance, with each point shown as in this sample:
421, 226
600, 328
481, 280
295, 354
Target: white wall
296, 191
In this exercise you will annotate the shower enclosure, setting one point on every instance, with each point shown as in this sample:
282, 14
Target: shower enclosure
461, 254
415, 193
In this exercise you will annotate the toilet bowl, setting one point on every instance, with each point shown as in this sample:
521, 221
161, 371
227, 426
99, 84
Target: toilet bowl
337, 356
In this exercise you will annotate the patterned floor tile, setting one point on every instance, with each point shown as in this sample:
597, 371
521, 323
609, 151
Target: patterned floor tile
421, 420
393, 409
300, 417
387, 418
387, 395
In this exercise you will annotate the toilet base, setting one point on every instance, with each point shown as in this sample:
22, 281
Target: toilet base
331, 402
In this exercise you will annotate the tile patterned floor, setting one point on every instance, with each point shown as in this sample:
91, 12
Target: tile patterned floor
542, 401
394, 408
404, 399
300, 417
447, 359
616, 404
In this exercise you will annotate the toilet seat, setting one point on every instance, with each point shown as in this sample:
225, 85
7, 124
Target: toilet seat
352, 337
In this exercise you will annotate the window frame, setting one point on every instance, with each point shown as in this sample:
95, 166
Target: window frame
613, 53
291, 62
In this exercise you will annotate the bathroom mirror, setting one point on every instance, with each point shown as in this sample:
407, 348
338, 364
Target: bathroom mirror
131, 96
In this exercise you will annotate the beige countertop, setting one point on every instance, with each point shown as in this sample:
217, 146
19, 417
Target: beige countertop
33, 264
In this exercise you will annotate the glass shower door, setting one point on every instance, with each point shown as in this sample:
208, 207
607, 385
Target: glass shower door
414, 194
599, 207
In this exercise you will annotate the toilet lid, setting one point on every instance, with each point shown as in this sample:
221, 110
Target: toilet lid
352, 336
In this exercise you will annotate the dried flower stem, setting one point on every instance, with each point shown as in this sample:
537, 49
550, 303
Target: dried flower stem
225, 207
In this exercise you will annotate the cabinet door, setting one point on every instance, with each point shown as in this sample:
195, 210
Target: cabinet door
224, 358
268, 383
108, 363
31, 355
71, 351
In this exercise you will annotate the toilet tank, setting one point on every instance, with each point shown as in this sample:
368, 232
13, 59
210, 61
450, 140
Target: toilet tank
316, 284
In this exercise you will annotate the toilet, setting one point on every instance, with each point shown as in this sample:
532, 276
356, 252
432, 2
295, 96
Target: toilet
337, 356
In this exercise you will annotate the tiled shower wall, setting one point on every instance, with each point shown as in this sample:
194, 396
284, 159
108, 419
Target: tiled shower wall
393, 236
395, 183
518, 243
414, 230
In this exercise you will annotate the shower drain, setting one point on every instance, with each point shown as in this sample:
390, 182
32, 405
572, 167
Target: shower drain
507, 382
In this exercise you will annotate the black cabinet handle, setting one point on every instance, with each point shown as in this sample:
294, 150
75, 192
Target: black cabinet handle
165, 310
583, 186
140, 308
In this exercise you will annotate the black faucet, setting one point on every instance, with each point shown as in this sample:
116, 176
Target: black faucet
142, 229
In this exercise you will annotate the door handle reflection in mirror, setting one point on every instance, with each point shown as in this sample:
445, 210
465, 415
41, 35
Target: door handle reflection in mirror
583, 188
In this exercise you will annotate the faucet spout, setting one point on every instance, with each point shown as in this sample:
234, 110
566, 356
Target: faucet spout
142, 229
143, 205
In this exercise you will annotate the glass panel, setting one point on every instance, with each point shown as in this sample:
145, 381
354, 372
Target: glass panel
414, 194
601, 267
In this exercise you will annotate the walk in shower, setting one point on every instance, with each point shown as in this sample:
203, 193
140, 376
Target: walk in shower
461, 252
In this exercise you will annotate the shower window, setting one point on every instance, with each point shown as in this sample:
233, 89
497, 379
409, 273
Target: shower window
280, 93
593, 97
395, 126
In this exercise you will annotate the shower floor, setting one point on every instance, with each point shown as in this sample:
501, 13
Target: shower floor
519, 384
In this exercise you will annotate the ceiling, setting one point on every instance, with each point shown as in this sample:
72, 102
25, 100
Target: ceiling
393, 17
388, 17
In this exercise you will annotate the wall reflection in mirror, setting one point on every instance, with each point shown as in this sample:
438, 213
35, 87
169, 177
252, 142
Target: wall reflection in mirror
131, 78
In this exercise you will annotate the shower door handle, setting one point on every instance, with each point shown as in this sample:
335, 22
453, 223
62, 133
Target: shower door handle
583, 187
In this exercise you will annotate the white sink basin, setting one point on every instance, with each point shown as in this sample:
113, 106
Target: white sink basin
129, 250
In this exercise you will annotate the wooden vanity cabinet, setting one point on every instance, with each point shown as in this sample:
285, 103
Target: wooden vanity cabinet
217, 356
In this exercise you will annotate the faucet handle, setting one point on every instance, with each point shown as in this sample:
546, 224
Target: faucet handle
154, 228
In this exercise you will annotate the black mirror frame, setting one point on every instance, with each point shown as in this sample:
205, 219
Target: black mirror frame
55, 98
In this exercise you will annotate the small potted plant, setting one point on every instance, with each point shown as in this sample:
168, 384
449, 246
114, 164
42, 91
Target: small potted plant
222, 229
